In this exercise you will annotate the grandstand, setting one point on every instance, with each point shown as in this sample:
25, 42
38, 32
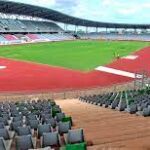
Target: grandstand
22, 31
15, 25
48, 30
136, 101
116, 36
26, 122
70, 89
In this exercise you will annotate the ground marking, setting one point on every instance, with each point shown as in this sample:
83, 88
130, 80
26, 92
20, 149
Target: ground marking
118, 72
3, 67
131, 57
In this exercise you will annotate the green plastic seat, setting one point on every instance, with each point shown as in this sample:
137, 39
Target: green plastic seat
54, 112
67, 119
80, 146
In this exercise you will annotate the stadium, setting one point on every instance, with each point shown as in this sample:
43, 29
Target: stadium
81, 88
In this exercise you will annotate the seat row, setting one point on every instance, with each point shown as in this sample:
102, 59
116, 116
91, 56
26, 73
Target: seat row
37, 124
133, 101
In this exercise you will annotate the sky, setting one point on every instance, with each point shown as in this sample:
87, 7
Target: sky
119, 11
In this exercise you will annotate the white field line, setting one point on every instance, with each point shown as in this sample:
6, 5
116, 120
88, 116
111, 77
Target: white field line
3, 67
131, 57
118, 72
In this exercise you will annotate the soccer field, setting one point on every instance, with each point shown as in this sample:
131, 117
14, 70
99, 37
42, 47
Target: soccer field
78, 55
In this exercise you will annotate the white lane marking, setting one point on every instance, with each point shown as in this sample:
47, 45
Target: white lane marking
131, 57
118, 72
3, 67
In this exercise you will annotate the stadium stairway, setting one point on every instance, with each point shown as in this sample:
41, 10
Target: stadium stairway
106, 128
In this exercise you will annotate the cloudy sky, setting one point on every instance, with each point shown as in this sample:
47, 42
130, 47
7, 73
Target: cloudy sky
122, 11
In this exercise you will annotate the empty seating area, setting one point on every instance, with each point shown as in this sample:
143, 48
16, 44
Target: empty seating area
134, 101
37, 124
14, 31
49, 37
6, 39
14, 25
93, 36
58, 37
126, 36
115, 36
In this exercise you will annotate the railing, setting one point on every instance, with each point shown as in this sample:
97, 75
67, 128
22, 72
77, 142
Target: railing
65, 94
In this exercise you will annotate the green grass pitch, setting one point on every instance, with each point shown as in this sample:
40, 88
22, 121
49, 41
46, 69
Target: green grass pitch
78, 55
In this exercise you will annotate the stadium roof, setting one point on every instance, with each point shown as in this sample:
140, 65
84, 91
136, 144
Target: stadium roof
10, 7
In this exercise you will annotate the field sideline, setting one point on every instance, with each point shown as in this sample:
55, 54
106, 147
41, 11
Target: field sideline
77, 55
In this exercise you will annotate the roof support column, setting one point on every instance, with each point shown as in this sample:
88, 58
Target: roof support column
96, 29
76, 28
125, 31
106, 29
86, 29
65, 26
116, 30
135, 30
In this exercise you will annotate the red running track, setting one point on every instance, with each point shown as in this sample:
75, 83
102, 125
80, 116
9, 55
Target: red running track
24, 76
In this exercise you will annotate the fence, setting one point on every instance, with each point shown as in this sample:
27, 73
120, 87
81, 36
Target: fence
66, 94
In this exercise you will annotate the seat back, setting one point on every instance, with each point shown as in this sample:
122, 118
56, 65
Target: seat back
24, 142
146, 112
75, 136
15, 125
2, 125
60, 116
5, 115
43, 129
17, 118
31, 117
24, 131
2, 144
50, 139
64, 127
33, 124
51, 121
4, 133
46, 116
4, 120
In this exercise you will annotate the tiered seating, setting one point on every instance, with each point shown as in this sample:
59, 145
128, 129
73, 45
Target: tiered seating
64, 36
10, 37
58, 37
32, 36
2, 38
51, 37
37, 124
115, 36
126, 36
134, 101
29, 26
41, 36
13, 25
90, 35
20, 38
